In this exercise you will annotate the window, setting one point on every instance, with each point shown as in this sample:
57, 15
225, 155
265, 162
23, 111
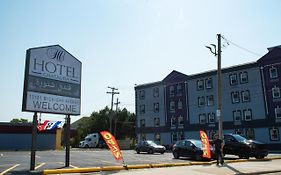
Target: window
273, 72
200, 85
237, 117
172, 106
210, 100
142, 94
181, 135
209, 83
247, 114
180, 121
278, 112
156, 92
142, 122
235, 97
172, 91
201, 101
156, 107
202, 119
156, 122
211, 117
243, 77
174, 137
274, 134
142, 109
245, 96
173, 121
212, 134
239, 131
250, 134
276, 92
179, 90
142, 136
179, 104
233, 79
157, 137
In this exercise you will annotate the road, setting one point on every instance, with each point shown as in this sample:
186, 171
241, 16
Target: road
19, 161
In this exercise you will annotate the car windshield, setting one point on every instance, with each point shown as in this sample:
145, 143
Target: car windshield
197, 143
239, 138
151, 143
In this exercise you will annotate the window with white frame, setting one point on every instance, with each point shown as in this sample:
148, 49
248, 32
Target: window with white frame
201, 101
237, 117
180, 120
142, 122
174, 137
156, 107
172, 106
200, 85
156, 122
202, 119
247, 114
277, 112
179, 104
275, 92
179, 90
209, 83
243, 77
233, 79
273, 73
173, 121
181, 135
274, 134
235, 97
142, 109
210, 100
142, 94
172, 91
156, 92
245, 96
211, 117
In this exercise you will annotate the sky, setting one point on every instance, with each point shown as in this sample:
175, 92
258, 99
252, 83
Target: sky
123, 43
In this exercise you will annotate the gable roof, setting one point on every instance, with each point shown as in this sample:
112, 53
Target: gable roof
175, 76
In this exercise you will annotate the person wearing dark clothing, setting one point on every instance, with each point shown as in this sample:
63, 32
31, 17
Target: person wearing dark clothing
218, 146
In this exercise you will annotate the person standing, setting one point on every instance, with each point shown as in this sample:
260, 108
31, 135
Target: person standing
218, 146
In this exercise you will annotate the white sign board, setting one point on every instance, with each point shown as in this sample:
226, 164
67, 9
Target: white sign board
52, 81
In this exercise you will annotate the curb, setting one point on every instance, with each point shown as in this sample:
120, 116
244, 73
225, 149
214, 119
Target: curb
144, 166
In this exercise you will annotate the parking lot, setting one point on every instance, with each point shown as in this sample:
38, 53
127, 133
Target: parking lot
19, 161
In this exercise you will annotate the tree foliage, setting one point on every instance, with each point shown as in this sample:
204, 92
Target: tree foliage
19, 120
99, 121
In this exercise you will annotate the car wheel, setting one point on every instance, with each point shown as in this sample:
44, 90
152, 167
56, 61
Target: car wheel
150, 151
162, 152
86, 146
176, 155
138, 151
197, 157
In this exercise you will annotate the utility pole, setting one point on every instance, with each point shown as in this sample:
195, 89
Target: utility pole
112, 96
116, 117
219, 94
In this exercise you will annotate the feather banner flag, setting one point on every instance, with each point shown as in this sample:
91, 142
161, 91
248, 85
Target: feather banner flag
49, 125
112, 144
205, 145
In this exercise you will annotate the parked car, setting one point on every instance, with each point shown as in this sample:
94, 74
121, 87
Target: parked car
189, 148
150, 147
235, 144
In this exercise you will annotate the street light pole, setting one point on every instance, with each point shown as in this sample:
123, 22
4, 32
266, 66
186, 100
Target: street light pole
219, 94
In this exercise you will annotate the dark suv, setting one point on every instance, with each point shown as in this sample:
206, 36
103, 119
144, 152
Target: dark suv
149, 147
235, 144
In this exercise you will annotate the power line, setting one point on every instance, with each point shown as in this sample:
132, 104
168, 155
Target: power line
240, 47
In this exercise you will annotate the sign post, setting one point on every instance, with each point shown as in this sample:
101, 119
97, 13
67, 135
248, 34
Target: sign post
52, 84
33, 142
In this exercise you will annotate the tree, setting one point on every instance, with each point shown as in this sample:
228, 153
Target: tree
19, 120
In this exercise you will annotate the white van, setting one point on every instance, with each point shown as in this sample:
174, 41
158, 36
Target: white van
91, 140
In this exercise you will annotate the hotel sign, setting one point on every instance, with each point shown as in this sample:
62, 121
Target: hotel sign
52, 82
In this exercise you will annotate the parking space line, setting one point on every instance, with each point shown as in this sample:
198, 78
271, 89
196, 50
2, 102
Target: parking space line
9, 169
72, 166
41, 164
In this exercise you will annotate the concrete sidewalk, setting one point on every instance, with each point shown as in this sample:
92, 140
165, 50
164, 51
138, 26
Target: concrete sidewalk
247, 167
